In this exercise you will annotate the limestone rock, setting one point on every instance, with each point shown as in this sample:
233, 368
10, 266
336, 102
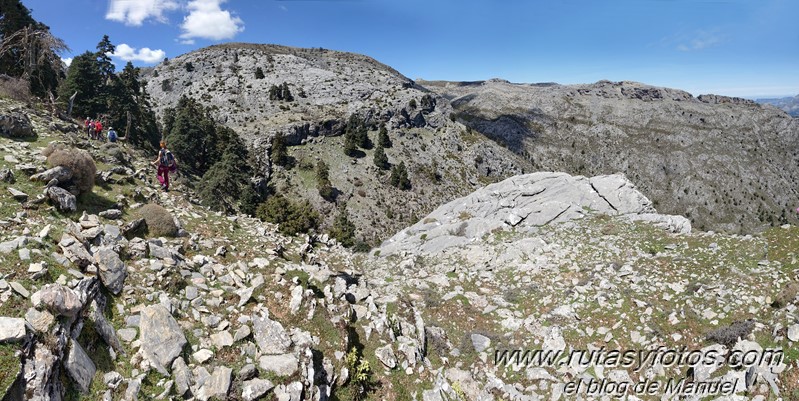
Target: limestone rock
255, 389
270, 336
59, 173
385, 354
282, 365
58, 299
75, 251
18, 195
217, 385
161, 337
112, 271
11, 329
80, 367
15, 124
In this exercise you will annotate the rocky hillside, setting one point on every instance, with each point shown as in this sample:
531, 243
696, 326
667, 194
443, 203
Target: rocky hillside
725, 163
126, 292
327, 87
789, 105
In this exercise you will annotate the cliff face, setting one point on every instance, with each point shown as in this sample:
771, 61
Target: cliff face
726, 163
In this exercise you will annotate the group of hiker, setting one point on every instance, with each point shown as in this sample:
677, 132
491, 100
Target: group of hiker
165, 161
94, 130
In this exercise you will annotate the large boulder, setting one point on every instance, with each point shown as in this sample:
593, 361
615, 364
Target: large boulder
58, 299
79, 366
112, 271
161, 337
15, 124
62, 199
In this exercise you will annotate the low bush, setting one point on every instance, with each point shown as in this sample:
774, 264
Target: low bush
292, 218
79, 161
159, 221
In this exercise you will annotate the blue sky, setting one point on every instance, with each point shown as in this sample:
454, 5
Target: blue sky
747, 48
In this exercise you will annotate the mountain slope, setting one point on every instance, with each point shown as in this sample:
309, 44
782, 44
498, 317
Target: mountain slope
92, 308
789, 105
726, 163
327, 88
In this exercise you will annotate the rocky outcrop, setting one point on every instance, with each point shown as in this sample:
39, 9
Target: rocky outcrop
522, 204
15, 124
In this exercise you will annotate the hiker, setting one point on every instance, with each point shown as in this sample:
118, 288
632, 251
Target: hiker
90, 129
98, 130
165, 163
86, 125
112, 135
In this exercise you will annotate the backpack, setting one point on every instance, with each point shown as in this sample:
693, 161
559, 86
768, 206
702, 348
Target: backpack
112, 136
168, 159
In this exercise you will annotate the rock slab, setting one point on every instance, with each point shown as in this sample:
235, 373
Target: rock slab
161, 337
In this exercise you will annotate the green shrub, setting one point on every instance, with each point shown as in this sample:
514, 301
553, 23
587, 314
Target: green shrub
399, 177
343, 230
80, 162
292, 218
159, 221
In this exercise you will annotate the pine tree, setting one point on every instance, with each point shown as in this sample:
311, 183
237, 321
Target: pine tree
222, 184
350, 145
380, 158
84, 78
28, 49
343, 229
279, 155
382, 137
323, 184
399, 177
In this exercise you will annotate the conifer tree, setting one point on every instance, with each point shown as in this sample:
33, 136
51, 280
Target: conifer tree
343, 229
279, 155
323, 184
382, 137
380, 158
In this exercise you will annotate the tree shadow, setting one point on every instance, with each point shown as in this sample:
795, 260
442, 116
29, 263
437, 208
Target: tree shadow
93, 203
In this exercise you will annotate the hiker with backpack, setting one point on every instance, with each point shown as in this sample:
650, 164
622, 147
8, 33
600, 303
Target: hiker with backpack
165, 163
98, 130
112, 135
90, 129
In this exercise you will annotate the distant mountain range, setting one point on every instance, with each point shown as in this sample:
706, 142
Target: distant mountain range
789, 104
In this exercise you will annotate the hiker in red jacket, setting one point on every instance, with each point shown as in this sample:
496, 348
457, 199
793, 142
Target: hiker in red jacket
98, 130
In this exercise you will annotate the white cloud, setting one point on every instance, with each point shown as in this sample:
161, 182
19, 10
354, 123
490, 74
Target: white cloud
134, 12
699, 41
207, 20
145, 54
67, 61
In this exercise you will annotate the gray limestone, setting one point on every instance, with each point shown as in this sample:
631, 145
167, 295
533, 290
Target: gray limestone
161, 337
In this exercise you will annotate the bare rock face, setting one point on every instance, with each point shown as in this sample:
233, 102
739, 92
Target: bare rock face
662, 139
161, 337
523, 203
